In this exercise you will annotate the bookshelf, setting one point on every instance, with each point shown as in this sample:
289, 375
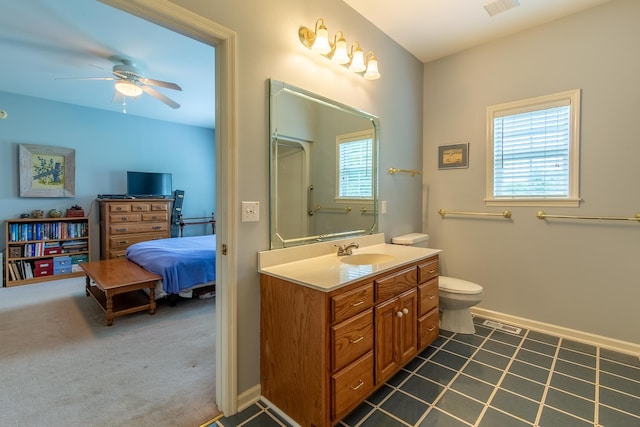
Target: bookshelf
42, 249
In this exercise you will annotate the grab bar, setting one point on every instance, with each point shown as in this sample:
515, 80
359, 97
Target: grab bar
505, 214
345, 210
412, 172
542, 215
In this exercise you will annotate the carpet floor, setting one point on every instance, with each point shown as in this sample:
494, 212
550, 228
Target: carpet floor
60, 365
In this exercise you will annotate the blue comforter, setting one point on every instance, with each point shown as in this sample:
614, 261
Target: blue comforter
182, 262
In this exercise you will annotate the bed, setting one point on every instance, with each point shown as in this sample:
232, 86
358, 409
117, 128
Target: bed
185, 263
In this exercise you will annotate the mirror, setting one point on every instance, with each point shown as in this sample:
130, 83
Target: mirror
324, 168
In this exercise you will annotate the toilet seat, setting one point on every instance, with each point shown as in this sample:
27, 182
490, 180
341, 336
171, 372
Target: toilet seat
458, 286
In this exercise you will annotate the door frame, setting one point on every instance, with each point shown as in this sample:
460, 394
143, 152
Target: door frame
185, 22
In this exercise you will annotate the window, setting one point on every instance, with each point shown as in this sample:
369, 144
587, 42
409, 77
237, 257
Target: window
533, 151
355, 166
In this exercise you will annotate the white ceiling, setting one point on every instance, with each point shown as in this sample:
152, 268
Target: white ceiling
42, 41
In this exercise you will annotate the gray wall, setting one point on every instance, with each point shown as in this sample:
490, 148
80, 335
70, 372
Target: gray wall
581, 275
268, 47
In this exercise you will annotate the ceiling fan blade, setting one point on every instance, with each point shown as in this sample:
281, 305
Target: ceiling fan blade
85, 78
160, 83
157, 95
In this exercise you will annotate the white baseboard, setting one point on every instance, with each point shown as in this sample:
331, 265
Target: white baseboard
572, 334
249, 397
280, 413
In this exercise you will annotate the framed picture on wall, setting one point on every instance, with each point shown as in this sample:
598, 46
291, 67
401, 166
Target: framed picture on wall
47, 171
455, 156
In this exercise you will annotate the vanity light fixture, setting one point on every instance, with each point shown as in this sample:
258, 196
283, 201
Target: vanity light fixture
353, 59
127, 88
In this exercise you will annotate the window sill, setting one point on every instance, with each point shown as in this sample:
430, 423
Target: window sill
565, 203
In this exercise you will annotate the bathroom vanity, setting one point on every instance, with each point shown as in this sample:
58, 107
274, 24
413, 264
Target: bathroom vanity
333, 329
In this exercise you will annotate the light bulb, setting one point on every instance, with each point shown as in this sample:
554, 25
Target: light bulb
357, 60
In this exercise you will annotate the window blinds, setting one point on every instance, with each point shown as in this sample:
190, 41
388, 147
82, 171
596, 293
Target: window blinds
355, 169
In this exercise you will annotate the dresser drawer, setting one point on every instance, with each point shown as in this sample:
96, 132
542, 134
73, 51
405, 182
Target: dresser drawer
123, 241
155, 216
428, 328
119, 207
140, 207
351, 385
351, 339
428, 270
124, 217
427, 296
138, 227
352, 302
396, 283
164, 206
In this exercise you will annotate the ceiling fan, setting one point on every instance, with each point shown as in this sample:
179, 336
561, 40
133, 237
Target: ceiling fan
130, 82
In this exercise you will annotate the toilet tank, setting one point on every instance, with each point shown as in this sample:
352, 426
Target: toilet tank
412, 239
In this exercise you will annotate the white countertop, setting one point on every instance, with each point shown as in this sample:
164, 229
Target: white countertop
318, 266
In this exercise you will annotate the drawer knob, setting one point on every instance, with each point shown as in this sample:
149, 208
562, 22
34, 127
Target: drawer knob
357, 303
123, 242
157, 227
357, 340
405, 310
432, 271
124, 218
431, 328
360, 384
121, 230
432, 296
399, 314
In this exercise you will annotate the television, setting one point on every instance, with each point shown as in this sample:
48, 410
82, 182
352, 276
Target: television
148, 184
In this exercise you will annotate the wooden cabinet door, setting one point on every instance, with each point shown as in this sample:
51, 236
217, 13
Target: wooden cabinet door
407, 345
386, 336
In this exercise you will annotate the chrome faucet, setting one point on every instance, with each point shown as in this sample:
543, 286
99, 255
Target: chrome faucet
346, 249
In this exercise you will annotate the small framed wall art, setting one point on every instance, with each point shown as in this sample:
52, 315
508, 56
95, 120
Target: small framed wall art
47, 171
455, 156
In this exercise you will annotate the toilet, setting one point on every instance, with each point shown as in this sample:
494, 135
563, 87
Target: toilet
457, 296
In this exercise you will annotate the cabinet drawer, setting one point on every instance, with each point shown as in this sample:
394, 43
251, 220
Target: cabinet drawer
395, 284
140, 207
119, 207
427, 296
155, 216
351, 385
137, 227
351, 339
352, 302
428, 328
123, 241
124, 217
428, 270
160, 206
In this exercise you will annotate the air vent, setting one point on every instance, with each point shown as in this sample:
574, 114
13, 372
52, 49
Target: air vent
498, 6
502, 327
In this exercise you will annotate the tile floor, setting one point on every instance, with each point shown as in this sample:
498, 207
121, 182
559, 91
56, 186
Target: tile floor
496, 379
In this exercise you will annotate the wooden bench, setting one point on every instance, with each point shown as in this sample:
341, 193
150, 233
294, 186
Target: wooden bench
119, 285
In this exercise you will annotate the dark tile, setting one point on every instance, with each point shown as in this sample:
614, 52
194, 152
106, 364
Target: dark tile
437, 373
436, 417
492, 359
450, 360
546, 338
619, 383
378, 396
620, 401
611, 417
422, 389
577, 357
398, 378
516, 405
578, 346
531, 372
522, 387
506, 338
427, 352
574, 370
539, 347
240, 417
358, 414
379, 418
498, 347
438, 342
446, 334
459, 348
483, 372
574, 385
571, 404
472, 387
470, 339
627, 359
262, 420
620, 369
493, 418
534, 358
552, 418
405, 407
463, 407
482, 331
414, 364
278, 417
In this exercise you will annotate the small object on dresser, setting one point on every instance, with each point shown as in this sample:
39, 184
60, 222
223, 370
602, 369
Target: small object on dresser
37, 213
75, 211
24, 215
55, 213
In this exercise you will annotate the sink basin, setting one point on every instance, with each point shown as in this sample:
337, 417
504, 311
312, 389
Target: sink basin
366, 259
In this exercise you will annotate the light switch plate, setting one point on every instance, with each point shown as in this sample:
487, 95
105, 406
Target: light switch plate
250, 211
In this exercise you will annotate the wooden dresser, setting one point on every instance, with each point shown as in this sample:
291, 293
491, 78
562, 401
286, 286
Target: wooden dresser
124, 222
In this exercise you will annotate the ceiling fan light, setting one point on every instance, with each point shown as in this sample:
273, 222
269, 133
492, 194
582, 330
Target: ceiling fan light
128, 88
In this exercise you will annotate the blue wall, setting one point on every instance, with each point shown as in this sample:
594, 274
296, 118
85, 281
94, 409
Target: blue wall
107, 144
